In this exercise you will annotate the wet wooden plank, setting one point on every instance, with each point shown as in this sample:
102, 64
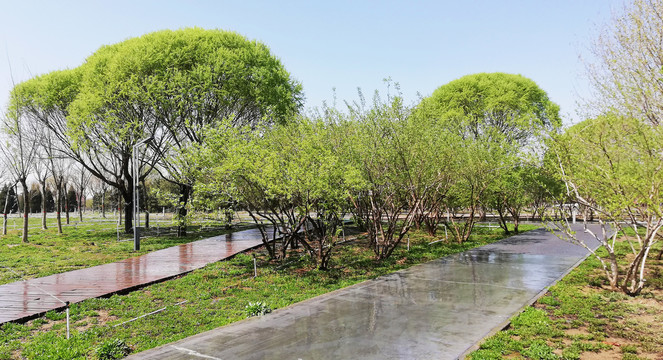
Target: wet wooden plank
28, 299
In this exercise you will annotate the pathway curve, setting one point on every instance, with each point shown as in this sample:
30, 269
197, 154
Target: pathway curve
438, 310
23, 300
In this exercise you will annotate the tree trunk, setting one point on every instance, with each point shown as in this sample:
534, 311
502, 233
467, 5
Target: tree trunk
119, 210
185, 191
43, 206
26, 201
128, 211
502, 221
66, 204
80, 206
103, 204
4, 222
58, 208
146, 205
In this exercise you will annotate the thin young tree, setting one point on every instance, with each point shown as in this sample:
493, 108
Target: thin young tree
19, 153
81, 181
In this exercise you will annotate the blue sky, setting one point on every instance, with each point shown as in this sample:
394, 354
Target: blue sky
332, 44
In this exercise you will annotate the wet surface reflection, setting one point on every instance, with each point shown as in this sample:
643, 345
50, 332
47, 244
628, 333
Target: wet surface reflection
435, 310
29, 298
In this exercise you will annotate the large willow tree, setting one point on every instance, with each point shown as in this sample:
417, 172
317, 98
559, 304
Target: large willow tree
500, 120
168, 85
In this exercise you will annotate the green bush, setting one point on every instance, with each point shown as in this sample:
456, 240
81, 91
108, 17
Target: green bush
113, 349
257, 309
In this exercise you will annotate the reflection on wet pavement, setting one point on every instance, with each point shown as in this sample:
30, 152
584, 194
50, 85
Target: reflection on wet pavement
27, 299
437, 310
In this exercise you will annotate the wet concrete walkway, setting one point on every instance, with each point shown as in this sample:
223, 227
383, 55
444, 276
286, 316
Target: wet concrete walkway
28, 299
438, 310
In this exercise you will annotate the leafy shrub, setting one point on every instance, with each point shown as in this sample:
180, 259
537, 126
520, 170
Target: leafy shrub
539, 350
52, 315
113, 349
629, 349
257, 309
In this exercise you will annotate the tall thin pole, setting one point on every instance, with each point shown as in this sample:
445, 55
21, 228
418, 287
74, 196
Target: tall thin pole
136, 207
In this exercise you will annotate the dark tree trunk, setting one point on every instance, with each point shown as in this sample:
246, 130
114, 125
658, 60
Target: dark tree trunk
58, 208
80, 206
66, 204
103, 204
128, 211
185, 192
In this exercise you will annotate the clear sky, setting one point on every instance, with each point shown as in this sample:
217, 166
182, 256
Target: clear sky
331, 44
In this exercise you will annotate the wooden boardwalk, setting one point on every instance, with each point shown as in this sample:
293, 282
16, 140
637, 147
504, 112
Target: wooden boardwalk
23, 300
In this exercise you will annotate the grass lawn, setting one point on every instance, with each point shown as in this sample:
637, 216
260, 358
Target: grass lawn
90, 243
214, 296
580, 318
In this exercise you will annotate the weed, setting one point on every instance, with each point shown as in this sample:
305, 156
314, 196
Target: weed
539, 350
113, 349
629, 349
257, 309
53, 315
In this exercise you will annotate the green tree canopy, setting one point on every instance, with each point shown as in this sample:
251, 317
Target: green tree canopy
167, 85
612, 166
481, 105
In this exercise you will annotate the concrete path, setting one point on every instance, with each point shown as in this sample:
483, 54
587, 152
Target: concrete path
438, 310
23, 300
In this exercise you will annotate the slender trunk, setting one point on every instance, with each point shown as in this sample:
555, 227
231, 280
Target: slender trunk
58, 207
43, 205
516, 222
146, 206
103, 203
185, 191
119, 209
26, 201
502, 220
4, 221
66, 204
80, 206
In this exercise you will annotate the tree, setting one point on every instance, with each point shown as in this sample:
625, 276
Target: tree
166, 86
71, 201
35, 204
484, 105
197, 77
81, 180
44, 100
291, 176
389, 194
99, 194
514, 190
627, 61
611, 165
500, 119
9, 202
19, 153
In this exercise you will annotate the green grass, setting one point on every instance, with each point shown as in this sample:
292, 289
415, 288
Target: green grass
580, 315
215, 295
80, 246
